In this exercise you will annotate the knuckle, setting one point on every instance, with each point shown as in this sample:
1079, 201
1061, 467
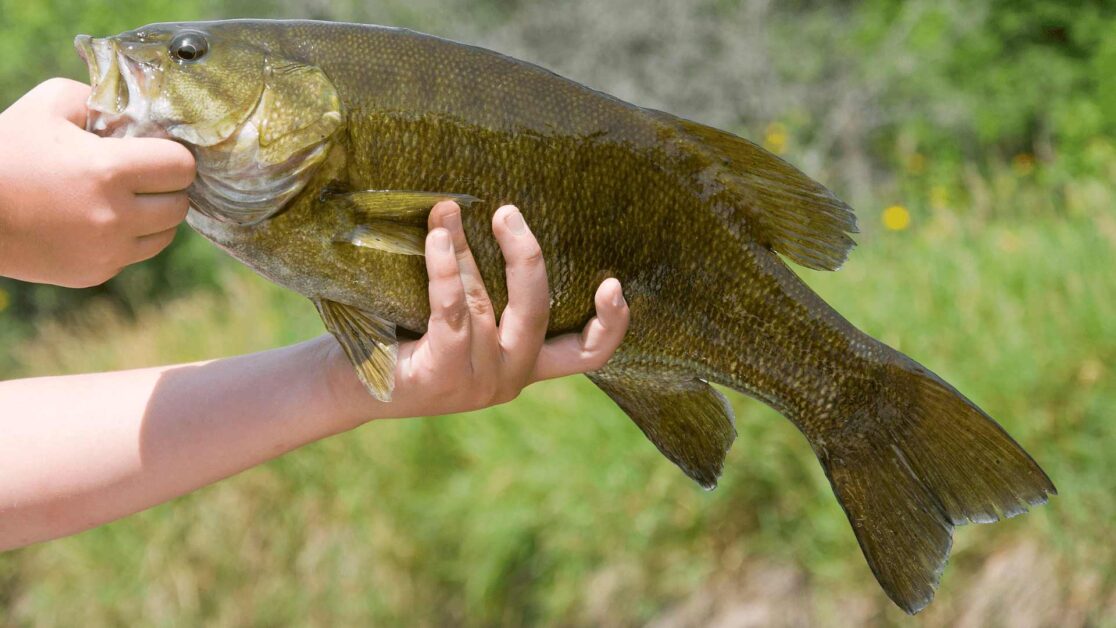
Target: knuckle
507, 394
487, 393
105, 264
78, 282
183, 162
480, 307
94, 277
441, 273
159, 243
105, 171
595, 360
453, 314
104, 220
432, 381
532, 257
55, 86
182, 207
50, 86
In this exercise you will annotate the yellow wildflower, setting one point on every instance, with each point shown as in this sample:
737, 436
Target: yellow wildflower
896, 218
775, 138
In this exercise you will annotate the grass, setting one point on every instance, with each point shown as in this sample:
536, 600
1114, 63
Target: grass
555, 509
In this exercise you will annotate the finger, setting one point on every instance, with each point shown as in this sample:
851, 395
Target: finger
592, 348
523, 323
149, 246
485, 346
155, 213
152, 165
447, 333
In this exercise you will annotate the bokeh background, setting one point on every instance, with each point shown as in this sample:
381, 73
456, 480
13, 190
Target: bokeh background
975, 138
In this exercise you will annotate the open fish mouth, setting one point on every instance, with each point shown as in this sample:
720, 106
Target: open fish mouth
118, 104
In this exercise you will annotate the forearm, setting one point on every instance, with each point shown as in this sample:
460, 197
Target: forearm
79, 451
82, 450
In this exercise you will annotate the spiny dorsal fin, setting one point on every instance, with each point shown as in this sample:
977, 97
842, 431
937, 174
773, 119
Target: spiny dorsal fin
792, 213
369, 342
688, 420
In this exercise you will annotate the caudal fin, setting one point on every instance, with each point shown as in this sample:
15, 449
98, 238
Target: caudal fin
915, 462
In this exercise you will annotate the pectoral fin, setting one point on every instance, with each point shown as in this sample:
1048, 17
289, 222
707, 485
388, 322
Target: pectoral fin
368, 340
688, 420
402, 206
387, 236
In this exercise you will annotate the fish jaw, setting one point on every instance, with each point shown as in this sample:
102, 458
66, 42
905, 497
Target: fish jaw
119, 103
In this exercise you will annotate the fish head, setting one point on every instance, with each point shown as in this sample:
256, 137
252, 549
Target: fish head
177, 81
257, 120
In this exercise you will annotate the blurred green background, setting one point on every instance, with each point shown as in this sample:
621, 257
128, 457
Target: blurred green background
976, 141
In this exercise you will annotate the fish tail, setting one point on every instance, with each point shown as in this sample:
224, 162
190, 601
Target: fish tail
913, 462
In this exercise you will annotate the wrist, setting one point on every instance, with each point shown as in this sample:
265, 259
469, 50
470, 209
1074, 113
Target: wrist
345, 399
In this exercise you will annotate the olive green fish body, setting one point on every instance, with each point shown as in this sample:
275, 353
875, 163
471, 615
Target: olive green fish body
322, 146
608, 188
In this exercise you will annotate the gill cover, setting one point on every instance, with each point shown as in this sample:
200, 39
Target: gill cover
260, 167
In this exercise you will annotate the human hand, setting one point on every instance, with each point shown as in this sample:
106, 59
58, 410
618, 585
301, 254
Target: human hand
466, 360
76, 208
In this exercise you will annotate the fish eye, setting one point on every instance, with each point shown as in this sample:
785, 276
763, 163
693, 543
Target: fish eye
188, 47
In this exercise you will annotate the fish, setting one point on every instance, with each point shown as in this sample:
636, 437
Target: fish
321, 148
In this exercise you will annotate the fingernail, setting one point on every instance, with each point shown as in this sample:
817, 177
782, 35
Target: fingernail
452, 221
442, 240
618, 299
514, 221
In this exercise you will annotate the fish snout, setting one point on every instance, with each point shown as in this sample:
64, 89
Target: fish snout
118, 99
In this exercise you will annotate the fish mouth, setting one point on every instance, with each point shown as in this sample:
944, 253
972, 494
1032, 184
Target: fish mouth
118, 104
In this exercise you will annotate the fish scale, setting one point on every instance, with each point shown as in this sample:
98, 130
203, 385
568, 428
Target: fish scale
372, 126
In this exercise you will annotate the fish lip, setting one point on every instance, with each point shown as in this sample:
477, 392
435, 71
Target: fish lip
83, 44
120, 108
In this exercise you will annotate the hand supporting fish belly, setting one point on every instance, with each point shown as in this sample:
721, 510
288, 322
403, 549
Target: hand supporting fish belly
466, 359
321, 149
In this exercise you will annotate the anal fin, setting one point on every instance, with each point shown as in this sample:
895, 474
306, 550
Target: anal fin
688, 420
368, 341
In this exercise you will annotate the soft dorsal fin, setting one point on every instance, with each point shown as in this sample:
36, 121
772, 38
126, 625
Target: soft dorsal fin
791, 213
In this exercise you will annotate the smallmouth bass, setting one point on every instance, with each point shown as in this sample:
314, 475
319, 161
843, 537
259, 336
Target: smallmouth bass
321, 148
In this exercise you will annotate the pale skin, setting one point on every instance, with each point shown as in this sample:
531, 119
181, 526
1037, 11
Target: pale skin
82, 450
